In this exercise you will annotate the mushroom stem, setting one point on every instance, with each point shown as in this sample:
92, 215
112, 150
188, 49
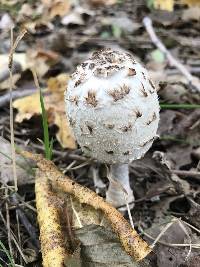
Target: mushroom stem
119, 191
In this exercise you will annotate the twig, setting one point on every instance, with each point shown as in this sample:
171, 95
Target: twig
174, 62
76, 214
197, 246
187, 234
16, 68
24, 220
162, 232
193, 174
8, 224
13, 238
4, 99
10, 66
129, 238
18, 233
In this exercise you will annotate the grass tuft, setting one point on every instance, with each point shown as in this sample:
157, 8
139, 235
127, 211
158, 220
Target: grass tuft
48, 144
3, 248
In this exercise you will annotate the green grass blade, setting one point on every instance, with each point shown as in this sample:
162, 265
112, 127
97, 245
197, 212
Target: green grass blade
178, 106
7, 254
47, 144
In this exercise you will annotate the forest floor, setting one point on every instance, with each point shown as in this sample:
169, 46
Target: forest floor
166, 182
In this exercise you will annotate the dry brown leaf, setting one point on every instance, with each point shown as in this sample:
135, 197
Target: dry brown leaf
164, 4
20, 59
57, 7
102, 2
54, 104
41, 60
64, 134
58, 84
168, 5
191, 2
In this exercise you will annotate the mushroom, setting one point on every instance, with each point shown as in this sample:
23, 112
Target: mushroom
113, 109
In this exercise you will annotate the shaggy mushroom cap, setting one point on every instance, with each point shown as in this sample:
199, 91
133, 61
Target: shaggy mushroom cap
112, 106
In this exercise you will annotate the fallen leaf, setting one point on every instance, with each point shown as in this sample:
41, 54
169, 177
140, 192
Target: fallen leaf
23, 167
177, 233
102, 2
64, 134
19, 65
164, 5
41, 60
58, 84
76, 16
54, 104
101, 247
72, 18
191, 2
192, 13
57, 7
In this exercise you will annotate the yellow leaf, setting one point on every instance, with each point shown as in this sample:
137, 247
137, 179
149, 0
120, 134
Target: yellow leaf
57, 7
164, 4
55, 107
64, 134
27, 107
102, 2
191, 2
58, 84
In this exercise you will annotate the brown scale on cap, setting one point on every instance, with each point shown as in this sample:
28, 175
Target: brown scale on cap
77, 83
153, 118
143, 91
109, 126
126, 128
147, 142
144, 76
101, 72
83, 65
131, 72
72, 122
74, 99
91, 99
90, 128
118, 94
153, 86
87, 147
109, 152
126, 153
138, 113
91, 66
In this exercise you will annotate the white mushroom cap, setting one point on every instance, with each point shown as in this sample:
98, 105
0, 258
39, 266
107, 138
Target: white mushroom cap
113, 107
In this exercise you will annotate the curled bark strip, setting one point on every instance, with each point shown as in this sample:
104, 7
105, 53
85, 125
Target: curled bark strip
51, 235
129, 238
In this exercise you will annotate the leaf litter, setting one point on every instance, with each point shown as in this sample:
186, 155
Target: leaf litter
163, 182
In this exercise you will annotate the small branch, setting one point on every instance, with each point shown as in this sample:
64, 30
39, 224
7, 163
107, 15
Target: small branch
4, 99
10, 67
129, 238
193, 174
8, 225
24, 220
174, 62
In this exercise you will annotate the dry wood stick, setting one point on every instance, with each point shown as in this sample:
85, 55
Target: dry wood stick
174, 62
129, 238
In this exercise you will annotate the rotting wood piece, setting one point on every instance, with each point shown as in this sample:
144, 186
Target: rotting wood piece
133, 244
